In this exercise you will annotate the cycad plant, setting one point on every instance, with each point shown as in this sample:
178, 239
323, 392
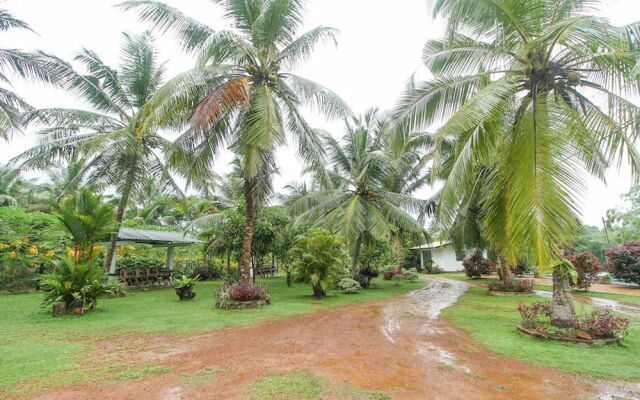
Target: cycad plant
242, 92
352, 199
87, 219
118, 140
539, 90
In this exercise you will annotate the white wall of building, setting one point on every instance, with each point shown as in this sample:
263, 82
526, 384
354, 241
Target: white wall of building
445, 258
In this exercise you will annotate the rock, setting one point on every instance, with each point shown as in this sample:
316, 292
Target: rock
584, 336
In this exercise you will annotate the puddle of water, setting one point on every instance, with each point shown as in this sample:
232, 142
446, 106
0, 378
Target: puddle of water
619, 391
175, 393
605, 303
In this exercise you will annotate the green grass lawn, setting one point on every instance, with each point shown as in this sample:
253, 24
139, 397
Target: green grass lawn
38, 351
492, 322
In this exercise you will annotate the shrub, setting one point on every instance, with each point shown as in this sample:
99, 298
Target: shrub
605, 279
73, 283
587, 267
411, 275
365, 275
349, 286
436, 269
476, 266
603, 323
412, 260
532, 315
239, 291
185, 281
513, 286
132, 263
623, 262
207, 272
318, 255
397, 278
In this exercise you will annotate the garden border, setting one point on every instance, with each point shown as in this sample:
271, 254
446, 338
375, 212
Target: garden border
593, 342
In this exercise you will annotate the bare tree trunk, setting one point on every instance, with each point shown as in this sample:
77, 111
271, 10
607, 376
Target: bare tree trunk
122, 206
356, 255
562, 312
248, 233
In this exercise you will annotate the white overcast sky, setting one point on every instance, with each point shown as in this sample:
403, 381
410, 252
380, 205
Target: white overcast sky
380, 44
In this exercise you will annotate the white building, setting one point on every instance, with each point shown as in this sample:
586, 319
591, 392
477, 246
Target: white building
443, 254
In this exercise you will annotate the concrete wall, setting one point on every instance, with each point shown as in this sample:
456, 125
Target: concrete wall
445, 258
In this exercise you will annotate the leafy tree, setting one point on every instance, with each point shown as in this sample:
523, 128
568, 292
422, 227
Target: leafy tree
351, 199
538, 91
587, 267
119, 140
624, 222
87, 219
623, 261
591, 239
242, 93
318, 255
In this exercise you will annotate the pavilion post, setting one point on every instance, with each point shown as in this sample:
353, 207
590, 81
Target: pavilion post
112, 267
170, 257
421, 259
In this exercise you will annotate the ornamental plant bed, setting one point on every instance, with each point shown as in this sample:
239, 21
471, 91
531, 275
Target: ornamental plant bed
513, 287
241, 295
241, 305
601, 327
570, 337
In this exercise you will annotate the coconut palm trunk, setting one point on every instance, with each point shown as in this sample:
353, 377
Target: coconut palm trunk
248, 233
563, 314
505, 271
122, 206
399, 253
356, 254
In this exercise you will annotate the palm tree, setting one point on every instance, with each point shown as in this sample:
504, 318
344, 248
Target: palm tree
407, 173
26, 65
242, 92
121, 146
538, 90
14, 189
352, 199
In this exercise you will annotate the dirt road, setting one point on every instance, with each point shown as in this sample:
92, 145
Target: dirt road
398, 346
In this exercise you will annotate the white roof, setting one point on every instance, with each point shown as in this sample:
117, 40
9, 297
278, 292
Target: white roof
432, 245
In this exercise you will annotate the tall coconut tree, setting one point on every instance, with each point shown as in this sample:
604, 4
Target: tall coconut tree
556, 107
408, 172
351, 199
14, 189
243, 93
122, 148
23, 64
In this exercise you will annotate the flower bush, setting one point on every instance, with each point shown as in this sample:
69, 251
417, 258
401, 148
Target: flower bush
602, 323
532, 315
587, 267
623, 262
239, 291
476, 266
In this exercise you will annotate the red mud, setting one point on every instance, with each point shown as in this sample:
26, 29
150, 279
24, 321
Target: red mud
395, 346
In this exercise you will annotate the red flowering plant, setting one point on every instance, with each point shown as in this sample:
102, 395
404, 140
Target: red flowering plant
603, 323
587, 267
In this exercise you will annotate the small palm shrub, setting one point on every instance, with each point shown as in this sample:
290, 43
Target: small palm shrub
476, 266
184, 286
318, 255
74, 283
349, 286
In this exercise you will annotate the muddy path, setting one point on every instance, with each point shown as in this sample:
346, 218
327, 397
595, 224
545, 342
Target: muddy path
398, 346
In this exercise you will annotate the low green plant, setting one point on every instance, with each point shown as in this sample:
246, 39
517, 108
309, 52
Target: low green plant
348, 285
396, 279
318, 253
185, 281
411, 275
71, 282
